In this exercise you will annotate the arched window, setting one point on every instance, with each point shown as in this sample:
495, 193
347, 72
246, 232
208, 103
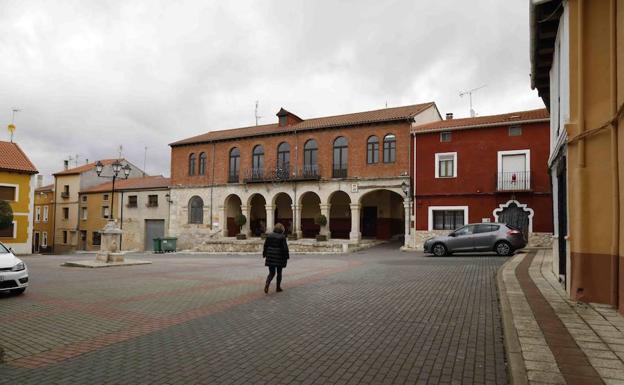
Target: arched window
310, 158
196, 210
257, 161
191, 166
372, 150
202, 163
389, 148
234, 165
340, 158
283, 156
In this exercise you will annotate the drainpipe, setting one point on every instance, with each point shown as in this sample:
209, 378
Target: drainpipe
212, 182
54, 216
615, 227
577, 276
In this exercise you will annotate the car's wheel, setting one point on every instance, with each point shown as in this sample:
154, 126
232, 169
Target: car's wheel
503, 248
439, 250
18, 291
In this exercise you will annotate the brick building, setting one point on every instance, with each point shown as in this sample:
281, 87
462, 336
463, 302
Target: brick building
483, 169
351, 168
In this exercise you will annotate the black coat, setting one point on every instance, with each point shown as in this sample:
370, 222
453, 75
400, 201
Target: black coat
275, 250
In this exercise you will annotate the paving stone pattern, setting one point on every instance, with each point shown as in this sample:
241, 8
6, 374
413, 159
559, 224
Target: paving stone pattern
374, 317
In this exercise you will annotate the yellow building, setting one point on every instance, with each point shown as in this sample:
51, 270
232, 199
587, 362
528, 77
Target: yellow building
17, 186
43, 220
577, 59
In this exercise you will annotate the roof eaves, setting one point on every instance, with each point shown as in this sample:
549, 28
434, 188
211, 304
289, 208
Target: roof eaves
484, 125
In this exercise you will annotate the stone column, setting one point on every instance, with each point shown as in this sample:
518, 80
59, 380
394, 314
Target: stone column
355, 236
270, 216
325, 211
408, 220
297, 221
223, 220
246, 210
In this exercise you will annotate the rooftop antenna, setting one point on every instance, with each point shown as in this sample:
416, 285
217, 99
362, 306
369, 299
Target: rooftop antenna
120, 151
469, 93
386, 104
144, 161
76, 160
258, 117
11, 126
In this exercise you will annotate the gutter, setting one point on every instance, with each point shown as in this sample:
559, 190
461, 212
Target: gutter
487, 125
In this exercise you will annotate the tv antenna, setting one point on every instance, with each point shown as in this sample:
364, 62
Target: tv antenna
120, 151
258, 117
469, 93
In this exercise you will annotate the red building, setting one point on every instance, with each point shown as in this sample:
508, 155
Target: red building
483, 169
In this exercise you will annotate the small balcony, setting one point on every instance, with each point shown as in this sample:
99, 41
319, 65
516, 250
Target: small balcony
281, 174
339, 172
65, 194
513, 181
233, 178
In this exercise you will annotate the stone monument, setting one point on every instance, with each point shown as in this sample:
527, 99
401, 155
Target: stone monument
109, 245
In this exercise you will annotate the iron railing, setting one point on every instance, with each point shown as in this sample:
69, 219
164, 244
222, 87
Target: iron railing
513, 181
280, 174
233, 178
339, 172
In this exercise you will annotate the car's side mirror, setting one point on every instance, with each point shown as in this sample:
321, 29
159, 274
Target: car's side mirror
11, 250
451, 235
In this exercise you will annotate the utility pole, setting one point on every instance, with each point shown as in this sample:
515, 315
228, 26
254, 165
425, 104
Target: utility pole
469, 93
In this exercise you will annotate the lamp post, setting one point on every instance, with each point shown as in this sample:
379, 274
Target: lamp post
117, 167
406, 190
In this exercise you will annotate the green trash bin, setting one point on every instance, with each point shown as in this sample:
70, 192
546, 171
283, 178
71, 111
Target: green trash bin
157, 245
168, 244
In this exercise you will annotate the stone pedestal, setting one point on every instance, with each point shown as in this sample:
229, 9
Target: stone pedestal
109, 245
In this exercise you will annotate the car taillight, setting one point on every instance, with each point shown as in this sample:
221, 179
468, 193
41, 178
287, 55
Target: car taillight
514, 232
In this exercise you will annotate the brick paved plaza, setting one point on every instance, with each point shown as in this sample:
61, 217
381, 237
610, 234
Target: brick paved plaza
377, 316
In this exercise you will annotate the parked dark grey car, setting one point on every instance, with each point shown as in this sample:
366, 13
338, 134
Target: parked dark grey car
478, 237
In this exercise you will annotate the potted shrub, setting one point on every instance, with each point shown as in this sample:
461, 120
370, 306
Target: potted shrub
321, 220
240, 220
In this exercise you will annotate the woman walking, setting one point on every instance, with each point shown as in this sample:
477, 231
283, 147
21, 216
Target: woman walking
276, 255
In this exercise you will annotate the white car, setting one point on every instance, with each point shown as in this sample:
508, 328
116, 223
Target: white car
13, 272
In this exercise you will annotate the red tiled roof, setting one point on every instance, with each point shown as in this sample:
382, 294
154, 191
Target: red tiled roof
48, 187
12, 158
145, 183
85, 167
376, 116
490, 120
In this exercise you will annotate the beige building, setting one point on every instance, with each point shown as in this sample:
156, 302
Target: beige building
140, 206
67, 185
577, 58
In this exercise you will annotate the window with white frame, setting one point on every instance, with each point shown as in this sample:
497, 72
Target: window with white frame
446, 165
8, 192
84, 213
37, 214
45, 213
44, 239
447, 217
514, 170
10, 231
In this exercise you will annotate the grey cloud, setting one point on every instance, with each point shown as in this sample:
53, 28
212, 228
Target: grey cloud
91, 75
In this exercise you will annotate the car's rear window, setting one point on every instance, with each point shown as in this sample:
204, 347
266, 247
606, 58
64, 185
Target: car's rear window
487, 228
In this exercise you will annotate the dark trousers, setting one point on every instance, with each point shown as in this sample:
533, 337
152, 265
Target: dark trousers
272, 271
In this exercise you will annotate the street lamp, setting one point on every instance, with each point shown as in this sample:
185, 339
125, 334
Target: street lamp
405, 187
117, 167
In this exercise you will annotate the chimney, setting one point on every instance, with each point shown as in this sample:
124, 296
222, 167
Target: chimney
39, 181
65, 164
449, 116
86, 160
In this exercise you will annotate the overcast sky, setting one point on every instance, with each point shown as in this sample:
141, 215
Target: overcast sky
91, 75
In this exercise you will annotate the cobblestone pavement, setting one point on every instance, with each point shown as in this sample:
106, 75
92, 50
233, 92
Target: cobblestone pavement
377, 316
556, 340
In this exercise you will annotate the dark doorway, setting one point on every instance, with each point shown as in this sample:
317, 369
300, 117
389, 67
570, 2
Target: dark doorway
516, 217
154, 228
562, 213
36, 245
369, 221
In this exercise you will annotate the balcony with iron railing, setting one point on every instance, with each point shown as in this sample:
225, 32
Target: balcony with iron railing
233, 178
280, 174
339, 171
513, 181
